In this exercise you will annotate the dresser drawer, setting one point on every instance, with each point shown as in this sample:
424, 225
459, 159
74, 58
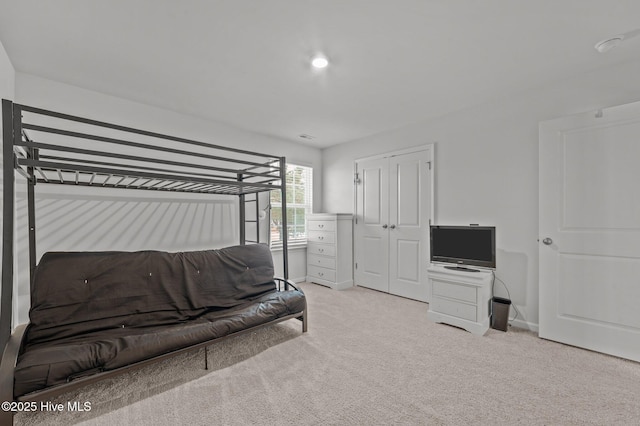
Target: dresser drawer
323, 249
454, 291
325, 262
321, 225
455, 309
322, 273
322, 237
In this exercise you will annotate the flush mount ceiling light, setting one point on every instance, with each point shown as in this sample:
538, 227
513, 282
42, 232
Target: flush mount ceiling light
611, 42
319, 61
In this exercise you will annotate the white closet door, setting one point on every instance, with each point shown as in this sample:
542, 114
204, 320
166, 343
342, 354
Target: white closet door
409, 225
371, 230
393, 209
590, 231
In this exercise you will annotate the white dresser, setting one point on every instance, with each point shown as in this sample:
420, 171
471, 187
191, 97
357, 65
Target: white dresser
329, 249
460, 298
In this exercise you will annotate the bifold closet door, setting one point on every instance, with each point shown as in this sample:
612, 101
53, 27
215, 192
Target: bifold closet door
371, 232
409, 225
391, 232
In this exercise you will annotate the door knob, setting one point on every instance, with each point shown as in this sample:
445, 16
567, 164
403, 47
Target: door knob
392, 227
384, 226
547, 241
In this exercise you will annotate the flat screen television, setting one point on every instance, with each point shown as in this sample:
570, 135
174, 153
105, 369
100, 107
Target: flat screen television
464, 245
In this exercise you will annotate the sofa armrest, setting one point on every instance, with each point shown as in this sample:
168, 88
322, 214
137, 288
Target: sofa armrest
287, 284
9, 360
7, 368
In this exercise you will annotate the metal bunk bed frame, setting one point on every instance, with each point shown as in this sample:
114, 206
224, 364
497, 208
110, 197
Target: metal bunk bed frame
180, 165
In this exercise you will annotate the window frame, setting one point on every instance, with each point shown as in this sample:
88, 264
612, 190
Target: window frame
307, 205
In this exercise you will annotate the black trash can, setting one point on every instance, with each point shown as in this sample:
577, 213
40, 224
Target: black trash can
500, 313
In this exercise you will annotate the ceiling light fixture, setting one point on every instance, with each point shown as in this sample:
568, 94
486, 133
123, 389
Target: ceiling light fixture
319, 61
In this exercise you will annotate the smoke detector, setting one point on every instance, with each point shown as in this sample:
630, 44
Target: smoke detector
611, 42
608, 44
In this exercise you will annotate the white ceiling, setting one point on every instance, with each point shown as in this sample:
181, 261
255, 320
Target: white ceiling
245, 62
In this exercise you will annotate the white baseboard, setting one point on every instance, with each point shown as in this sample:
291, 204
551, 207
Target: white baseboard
531, 326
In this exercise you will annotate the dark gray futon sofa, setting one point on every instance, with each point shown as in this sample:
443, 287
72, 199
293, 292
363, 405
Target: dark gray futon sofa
95, 313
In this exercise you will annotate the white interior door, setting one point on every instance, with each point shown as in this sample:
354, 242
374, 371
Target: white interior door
393, 209
590, 231
409, 224
371, 229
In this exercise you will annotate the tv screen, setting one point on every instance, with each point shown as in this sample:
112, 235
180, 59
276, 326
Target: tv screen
464, 245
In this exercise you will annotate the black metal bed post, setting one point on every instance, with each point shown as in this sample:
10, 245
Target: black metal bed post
285, 231
8, 194
31, 213
242, 214
257, 195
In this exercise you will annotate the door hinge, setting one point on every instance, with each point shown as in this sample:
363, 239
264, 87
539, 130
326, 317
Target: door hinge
356, 178
429, 164
356, 265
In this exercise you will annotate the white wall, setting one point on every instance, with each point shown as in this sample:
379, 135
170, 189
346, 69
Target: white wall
7, 91
7, 76
81, 219
486, 167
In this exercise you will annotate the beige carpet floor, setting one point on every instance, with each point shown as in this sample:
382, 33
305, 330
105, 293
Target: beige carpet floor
367, 359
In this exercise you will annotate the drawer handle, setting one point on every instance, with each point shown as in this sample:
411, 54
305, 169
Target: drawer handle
321, 273
321, 226
321, 238
320, 250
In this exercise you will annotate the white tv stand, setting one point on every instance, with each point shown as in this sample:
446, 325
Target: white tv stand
460, 298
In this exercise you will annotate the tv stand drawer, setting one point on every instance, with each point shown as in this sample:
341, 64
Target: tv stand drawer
455, 309
454, 291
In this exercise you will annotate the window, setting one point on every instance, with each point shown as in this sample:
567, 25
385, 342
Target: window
299, 200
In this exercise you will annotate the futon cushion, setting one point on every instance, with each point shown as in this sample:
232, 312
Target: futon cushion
75, 293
